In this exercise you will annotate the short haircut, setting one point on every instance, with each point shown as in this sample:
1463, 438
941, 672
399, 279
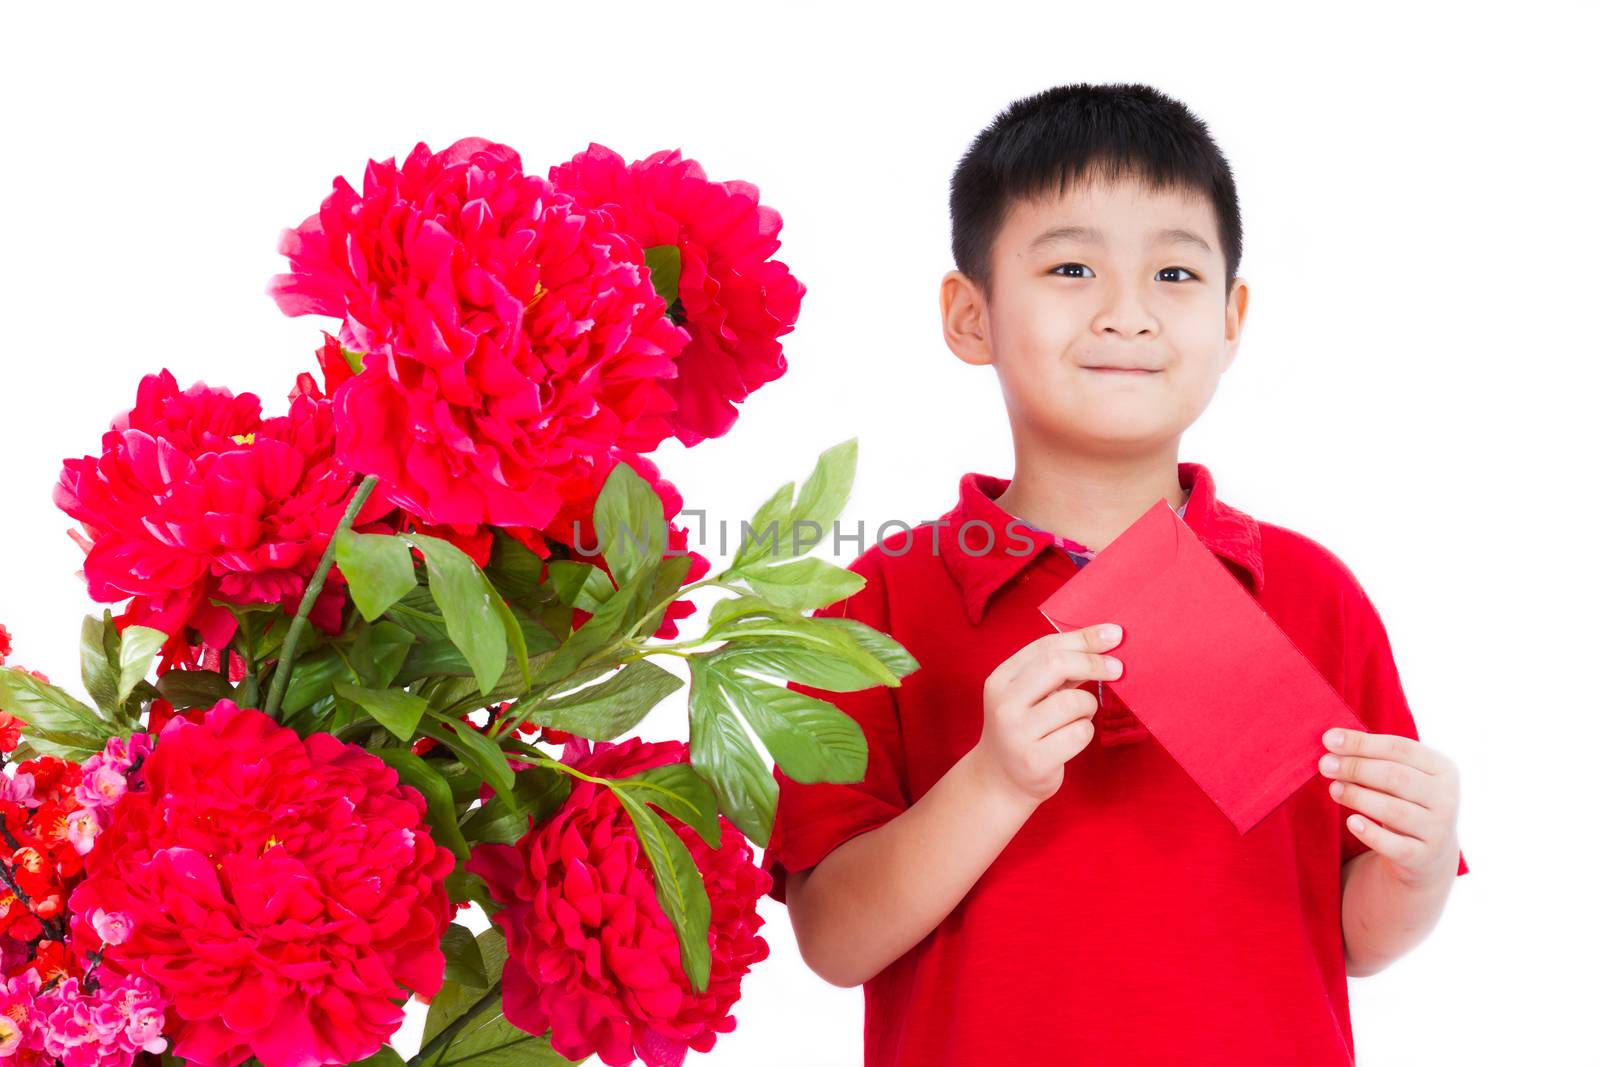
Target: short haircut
1055, 138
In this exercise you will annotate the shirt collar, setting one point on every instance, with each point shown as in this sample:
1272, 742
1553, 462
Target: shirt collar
980, 571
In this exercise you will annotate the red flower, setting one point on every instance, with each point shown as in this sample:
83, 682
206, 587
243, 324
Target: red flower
591, 955
5, 643
509, 334
283, 892
196, 497
733, 298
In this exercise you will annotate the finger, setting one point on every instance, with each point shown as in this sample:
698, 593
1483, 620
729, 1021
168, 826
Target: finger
1063, 743
1401, 848
1396, 747
1054, 660
1400, 815
1386, 776
1060, 708
1088, 639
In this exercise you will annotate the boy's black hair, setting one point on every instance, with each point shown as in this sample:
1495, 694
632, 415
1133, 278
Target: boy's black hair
1054, 138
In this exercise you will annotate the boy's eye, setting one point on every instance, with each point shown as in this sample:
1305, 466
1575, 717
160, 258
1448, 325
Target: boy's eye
1090, 274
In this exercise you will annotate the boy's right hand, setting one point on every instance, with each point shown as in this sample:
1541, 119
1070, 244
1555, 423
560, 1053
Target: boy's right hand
1034, 720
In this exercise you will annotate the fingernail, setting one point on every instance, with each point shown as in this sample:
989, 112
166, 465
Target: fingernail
1110, 631
1115, 666
1330, 763
1334, 738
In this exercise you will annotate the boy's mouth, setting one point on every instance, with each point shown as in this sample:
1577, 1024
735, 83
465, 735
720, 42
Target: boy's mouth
1126, 371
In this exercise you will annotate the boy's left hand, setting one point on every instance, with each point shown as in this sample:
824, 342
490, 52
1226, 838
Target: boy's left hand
1412, 789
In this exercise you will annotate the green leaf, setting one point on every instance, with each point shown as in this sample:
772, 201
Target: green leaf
582, 585
724, 755
679, 886
379, 651
729, 610
47, 707
262, 628
421, 775
769, 519
630, 523
812, 740
463, 960
678, 789
384, 1057
837, 668
610, 708
66, 744
666, 265
821, 499
875, 653
398, 710
314, 678
669, 577
603, 627
487, 1039
475, 616
804, 584
454, 999
538, 793
517, 571
377, 567
140, 644
417, 613
475, 750
193, 689
98, 652
827, 489
491, 1041
879, 645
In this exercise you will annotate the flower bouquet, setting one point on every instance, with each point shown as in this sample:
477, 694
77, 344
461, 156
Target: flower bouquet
373, 655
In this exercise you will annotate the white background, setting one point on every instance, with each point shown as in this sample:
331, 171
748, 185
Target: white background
1415, 390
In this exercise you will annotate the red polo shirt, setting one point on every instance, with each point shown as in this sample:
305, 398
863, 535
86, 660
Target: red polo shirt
1127, 922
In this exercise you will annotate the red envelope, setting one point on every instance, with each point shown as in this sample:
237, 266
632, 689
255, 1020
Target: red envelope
1209, 673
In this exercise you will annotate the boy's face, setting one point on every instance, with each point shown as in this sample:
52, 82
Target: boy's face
1065, 302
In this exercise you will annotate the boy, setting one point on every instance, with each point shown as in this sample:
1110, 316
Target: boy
1024, 876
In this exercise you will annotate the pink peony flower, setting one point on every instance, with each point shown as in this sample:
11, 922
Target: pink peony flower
733, 298
196, 497
591, 956
283, 892
508, 334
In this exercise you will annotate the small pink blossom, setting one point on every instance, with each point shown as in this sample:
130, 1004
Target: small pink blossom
18, 788
123, 1016
112, 926
101, 787
83, 826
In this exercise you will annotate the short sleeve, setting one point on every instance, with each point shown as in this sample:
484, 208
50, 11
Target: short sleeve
1374, 693
813, 819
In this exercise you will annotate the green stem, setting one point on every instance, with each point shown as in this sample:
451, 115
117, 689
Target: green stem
291, 641
441, 1041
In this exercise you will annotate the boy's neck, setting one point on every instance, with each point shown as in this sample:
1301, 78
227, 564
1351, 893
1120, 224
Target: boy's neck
1091, 500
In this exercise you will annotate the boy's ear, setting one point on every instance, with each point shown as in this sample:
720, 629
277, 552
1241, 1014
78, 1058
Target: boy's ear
965, 318
1238, 302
